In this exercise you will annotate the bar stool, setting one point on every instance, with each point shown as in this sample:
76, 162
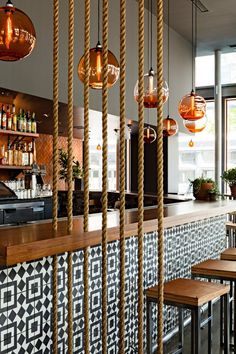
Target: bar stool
223, 271
231, 234
189, 294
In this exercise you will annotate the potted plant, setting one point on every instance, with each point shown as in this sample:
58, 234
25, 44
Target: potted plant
229, 177
78, 172
204, 189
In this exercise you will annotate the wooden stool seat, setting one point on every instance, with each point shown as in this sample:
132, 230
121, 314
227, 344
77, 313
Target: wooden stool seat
215, 268
229, 254
189, 292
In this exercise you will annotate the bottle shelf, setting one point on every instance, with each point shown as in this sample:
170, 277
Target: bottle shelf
10, 167
17, 133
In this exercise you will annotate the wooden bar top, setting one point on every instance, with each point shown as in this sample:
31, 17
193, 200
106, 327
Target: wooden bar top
36, 240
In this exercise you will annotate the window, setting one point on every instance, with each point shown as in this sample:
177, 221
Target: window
198, 160
95, 176
231, 133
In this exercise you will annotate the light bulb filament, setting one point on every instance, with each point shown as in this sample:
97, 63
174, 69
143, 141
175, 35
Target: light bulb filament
192, 104
9, 31
150, 85
99, 65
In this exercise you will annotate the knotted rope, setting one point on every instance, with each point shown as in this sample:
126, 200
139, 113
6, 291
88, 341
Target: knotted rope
122, 173
86, 172
70, 168
160, 173
104, 171
140, 172
55, 162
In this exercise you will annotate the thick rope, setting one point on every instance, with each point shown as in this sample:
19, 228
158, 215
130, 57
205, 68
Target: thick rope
55, 305
86, 111
140, 174
55, 163
70, 170
86, 173
104, 172
160, 174
122, 173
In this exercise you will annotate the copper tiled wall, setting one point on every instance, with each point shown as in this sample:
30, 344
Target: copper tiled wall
44, 154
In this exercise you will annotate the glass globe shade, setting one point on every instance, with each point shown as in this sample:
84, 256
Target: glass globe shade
150, 90
95, 70
17, 34
191, 143
149, 135
192, 107
196, 126
170, 127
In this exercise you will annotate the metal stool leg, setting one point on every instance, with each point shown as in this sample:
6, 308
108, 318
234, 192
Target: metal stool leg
221, 320
210, 327
226, 324
196, 331
181, 328
149, 327
234, 292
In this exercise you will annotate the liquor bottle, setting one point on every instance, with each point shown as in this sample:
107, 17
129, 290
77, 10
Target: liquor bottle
9, 154
4, 118
25, 156
20, 157
28, 123
19, 121
9, 119
14, 118
23, 121
30, 154
33, 124
15, 156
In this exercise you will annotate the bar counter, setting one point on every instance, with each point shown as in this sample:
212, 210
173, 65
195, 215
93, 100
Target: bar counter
194, 231
37, 239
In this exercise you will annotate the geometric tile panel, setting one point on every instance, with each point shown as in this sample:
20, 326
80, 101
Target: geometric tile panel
26, 290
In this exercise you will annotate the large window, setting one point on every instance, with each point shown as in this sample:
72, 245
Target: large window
95, 175
205, 72
198, 160
231, 132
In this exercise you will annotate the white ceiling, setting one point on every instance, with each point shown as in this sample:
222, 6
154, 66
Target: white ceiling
216, 28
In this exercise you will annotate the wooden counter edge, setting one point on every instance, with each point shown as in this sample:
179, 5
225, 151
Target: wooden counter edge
18, 253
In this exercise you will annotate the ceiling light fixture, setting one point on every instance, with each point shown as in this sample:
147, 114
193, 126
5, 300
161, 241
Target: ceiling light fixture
192, 106
17, 33
170, 126
150, 78
96, 65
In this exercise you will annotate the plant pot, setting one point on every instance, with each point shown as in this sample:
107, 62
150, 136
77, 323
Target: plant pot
203, 192
77, 184
233, 190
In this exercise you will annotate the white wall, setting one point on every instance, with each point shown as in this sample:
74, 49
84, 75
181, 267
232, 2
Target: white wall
34, 74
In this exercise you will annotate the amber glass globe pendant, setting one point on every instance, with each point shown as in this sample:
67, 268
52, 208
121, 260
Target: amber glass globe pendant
149, 135
192, 107
96, 67
17, 33
170, 127
196, 126
150, 90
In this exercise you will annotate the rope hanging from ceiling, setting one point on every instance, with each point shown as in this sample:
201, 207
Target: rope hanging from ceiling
86, 173
160, 174
55, 163
104, 171
69, 167
122, 173
140, 171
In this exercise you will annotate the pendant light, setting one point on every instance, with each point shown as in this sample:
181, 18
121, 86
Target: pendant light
192, 106
149, 135
98, 147
150, 80
191, 143
95, 74
17, 33
195, 126
170, 126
